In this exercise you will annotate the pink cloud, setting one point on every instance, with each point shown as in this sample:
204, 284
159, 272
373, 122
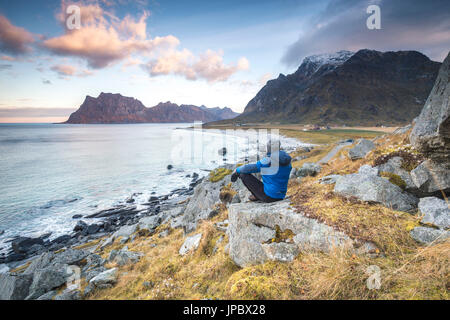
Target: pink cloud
64, 70
209, 65
14, 40
7, 58
104, 39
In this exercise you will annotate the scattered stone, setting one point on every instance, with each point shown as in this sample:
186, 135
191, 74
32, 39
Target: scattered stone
190, 244
80, 226
23, 244
77, 216
428, 235
124, 240
308, 169
62, 239
92, 229
362, 148
108, 277
169, 167
436, 212
2, 232
222, 151
123, 256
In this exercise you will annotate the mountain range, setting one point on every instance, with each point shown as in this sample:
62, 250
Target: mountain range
115, 108
346, 88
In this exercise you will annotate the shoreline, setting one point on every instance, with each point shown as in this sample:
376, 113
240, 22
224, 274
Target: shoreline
109, 221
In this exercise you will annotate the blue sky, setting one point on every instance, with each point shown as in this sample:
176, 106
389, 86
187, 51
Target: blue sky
213, 53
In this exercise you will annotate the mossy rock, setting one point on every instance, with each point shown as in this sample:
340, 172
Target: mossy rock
218, 174
394, 179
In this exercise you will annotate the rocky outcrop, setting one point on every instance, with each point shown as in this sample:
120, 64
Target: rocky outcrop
115, 108
260, 232
373, 188
361, 149
206, 196
431, 131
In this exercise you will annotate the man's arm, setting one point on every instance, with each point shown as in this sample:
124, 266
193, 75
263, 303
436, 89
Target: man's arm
254, 167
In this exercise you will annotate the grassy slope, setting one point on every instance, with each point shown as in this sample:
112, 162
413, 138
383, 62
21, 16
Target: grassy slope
408, 271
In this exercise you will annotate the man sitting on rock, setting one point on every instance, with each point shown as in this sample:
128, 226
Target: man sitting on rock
275, 169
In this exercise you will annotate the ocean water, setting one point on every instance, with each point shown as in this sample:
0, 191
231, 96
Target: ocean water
51, 172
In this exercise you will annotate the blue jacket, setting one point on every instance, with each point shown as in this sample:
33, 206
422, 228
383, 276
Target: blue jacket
275, 178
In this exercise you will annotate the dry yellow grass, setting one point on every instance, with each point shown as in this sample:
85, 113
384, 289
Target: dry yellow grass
408, 271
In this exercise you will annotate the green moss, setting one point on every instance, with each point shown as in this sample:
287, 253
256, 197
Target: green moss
394, 179
282, 236
255, 287
218, 174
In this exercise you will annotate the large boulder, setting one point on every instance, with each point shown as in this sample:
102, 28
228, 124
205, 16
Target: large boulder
372, 188
361, 149
431, 131
431, 178
253, 229
435, 212
206, 196
14, 287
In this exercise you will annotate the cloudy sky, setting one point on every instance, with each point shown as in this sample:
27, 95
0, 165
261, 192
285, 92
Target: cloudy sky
213, 53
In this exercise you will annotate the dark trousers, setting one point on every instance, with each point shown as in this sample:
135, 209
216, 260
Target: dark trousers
256, 187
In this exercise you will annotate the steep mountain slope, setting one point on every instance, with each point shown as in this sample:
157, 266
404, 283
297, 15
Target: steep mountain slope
115, 108
363, 88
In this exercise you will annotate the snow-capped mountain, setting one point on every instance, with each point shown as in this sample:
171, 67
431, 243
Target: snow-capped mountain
363, 88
